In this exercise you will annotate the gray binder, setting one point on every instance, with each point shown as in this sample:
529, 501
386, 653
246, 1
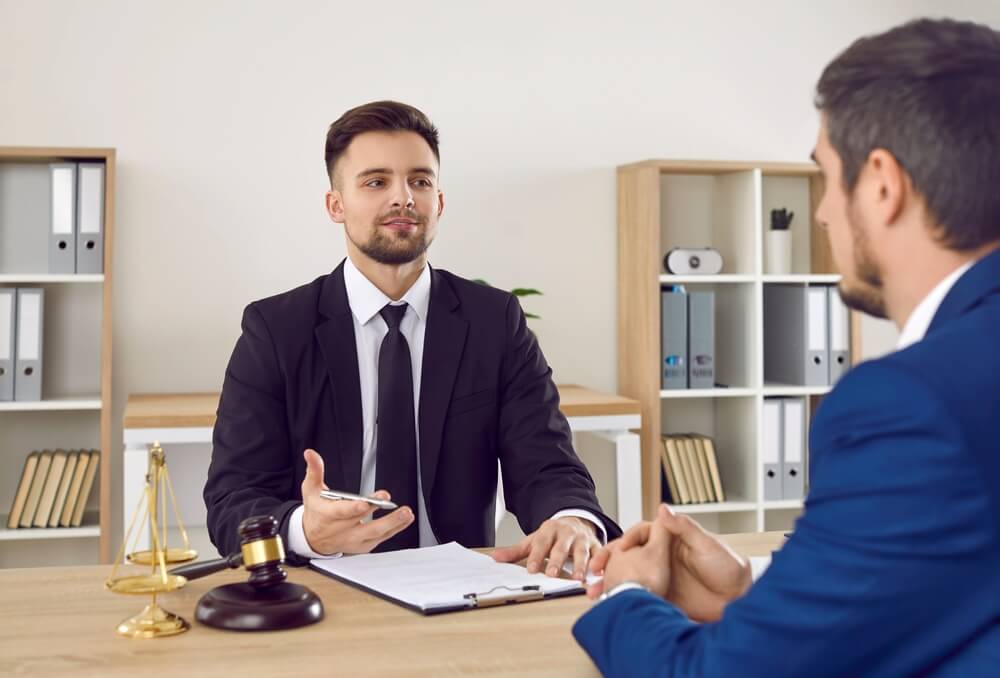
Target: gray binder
62, 224
770, 453
28, 353
795, 335
793, 448
701, 340
90, 218
673, 337
8, 325
840, 335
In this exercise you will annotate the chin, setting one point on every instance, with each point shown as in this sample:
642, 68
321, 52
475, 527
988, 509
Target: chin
866, 299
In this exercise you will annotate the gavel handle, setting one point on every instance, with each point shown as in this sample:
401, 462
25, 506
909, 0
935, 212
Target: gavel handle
207, 567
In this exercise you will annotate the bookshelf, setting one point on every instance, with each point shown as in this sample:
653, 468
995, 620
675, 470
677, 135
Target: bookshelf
75, 408
724, 205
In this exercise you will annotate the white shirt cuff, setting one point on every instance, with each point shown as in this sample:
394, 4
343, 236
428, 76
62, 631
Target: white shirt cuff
757, 566
624, 586
297, 541
602, 534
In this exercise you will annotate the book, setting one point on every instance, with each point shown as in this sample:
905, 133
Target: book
37, 483
668, 473
63, 491
21, 497
88, 483
713, 467
694, 472
66, 517
706, 476
680, 474
56, 468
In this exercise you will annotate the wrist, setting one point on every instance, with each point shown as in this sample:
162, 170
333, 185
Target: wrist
625, 585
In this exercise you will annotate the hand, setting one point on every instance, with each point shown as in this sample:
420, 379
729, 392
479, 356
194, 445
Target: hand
647, 564
556, 539
336, 526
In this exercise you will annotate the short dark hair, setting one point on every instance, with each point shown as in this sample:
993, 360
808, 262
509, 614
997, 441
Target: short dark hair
929, 93
377, 116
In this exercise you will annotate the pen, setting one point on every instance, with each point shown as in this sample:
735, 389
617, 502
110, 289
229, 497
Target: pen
335, 495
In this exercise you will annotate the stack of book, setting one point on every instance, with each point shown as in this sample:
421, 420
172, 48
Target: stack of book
54, 489
691, 470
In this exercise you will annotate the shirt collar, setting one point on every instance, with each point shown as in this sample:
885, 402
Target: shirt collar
916, 325
366, 300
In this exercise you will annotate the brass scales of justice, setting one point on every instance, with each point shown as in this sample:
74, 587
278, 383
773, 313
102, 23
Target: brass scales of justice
153, 621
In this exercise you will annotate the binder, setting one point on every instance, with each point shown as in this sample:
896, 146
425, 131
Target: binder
668, 474
840, 335
8, 326
21, 497
28, 352
443, 578
701, 340
62, 224
680, 474
673, 337
90, 218
795, 335
85, 487
35, 491
793, 447
770, 452
66, 516
63, 491
56, 468
713, 467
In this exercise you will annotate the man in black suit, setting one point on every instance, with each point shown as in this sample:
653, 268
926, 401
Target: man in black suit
390, 378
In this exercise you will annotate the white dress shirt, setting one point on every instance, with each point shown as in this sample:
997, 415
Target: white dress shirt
366, 300
920, 319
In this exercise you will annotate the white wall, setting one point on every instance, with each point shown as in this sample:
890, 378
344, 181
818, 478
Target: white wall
219, 110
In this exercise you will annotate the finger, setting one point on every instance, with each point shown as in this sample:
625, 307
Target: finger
596, 589
562, 542
599, 560
687, 529
381, 494
541, 544
581, 558
637, 535
313, 481
514, 553
377, 531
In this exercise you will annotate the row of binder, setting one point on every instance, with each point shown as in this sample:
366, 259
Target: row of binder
806, 335
21, 330
691, 469
687, 338
783, 454
54, 489
76, 233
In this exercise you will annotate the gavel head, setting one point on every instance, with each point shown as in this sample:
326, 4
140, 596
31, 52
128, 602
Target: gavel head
263, 551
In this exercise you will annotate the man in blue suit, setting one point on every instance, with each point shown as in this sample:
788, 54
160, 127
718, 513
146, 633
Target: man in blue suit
894, 567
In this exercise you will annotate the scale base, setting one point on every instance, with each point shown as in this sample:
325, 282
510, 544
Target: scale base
152, 622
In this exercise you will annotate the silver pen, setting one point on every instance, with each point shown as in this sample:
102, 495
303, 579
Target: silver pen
335, 495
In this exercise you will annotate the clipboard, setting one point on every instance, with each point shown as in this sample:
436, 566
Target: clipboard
401, 577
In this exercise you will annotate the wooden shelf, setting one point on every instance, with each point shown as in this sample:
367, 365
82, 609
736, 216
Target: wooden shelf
809, 279
45, 278
52, 405
784, 504
91, 528
727, 278
716, 507
668, 394
789, 391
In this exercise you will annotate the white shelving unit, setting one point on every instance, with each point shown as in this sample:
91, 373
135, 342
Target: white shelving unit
723, 205
75, 410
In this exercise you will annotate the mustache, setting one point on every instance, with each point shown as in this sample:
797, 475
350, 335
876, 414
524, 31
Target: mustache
403, 214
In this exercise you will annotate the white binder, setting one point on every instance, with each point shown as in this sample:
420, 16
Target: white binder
840, 335
8, 325
28, 353
62, 225
818, 349
90, 219
793, 448
770, 452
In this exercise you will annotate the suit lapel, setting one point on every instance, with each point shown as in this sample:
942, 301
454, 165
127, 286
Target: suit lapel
444, 341
340, 351
973, 286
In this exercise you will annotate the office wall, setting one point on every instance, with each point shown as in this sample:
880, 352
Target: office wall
219, 109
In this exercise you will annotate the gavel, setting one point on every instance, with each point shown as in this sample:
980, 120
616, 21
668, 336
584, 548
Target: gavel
266, 601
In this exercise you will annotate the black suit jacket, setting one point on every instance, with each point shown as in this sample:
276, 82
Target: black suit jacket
486, 393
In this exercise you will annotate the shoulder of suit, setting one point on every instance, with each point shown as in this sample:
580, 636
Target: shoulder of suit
298, 298
474, 292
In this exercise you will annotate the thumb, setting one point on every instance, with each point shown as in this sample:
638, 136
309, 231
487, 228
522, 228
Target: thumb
313, 482
687, 530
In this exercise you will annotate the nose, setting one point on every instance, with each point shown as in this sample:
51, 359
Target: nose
403, 196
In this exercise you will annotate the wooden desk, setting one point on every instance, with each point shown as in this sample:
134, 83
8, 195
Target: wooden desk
62, 621
182, 418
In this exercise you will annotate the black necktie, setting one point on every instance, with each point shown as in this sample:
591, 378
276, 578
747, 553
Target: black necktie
396, 442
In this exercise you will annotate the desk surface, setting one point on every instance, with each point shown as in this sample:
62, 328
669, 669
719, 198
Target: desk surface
197, 410
61, 620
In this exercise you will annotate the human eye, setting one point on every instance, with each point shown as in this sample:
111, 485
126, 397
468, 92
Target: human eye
375, 183
422, 183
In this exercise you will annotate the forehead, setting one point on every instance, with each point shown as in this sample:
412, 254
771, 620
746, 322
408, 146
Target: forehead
399, 151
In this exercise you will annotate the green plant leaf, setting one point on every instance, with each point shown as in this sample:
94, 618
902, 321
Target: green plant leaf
532, 315
524, 291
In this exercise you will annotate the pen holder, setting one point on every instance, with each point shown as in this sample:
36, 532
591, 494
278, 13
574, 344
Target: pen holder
779, 252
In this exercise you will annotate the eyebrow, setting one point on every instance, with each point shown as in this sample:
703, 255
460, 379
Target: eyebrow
812, 156
385, 170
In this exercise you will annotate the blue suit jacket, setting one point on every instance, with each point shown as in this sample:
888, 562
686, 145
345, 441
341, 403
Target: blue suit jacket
894, 567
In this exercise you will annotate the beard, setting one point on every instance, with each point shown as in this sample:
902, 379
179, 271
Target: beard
395, 247
866, 294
